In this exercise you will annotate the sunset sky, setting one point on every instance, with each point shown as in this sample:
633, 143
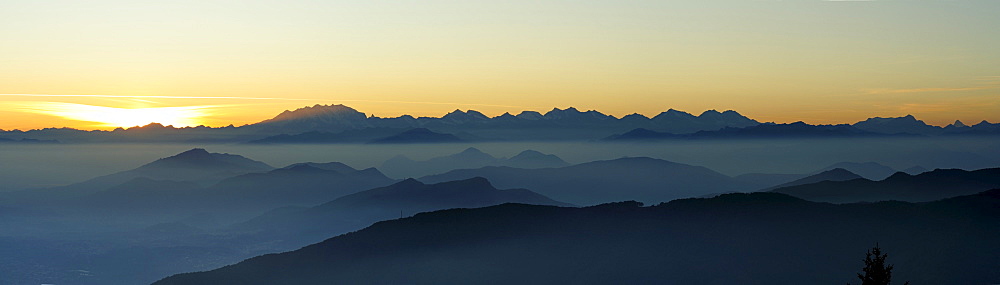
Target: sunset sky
237, 62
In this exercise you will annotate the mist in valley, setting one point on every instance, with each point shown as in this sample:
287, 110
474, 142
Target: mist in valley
89, 213
36, 166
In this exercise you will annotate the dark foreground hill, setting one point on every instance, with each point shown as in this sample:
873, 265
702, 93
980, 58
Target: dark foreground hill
927, 186
757, 238
643, 179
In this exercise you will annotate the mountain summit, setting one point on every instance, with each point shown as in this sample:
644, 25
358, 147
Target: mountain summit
195, 165
906, 124
317, 117
199, 159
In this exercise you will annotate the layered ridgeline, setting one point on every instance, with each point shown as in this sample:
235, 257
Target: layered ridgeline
907, 126
839, 171
342, 124
645, 179
836, 174
730, 239
160, 223
298, 226
198, 182
145, 255
402, 166
197, 166
927, 186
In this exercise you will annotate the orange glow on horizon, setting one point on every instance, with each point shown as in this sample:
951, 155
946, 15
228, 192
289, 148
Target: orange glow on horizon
111, 117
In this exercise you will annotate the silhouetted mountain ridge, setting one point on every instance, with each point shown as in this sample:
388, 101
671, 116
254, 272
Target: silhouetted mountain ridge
731, 239
869, 170
630, 178
195, 165
836, 174
300, 226
401, 166
927, 186
342, 124
196, 181
766, 130
417, 135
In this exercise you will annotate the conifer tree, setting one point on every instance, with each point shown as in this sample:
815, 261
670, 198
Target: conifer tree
876, 272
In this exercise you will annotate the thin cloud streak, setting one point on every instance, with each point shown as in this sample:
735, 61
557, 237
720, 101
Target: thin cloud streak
923, 90
150, 96
261, 98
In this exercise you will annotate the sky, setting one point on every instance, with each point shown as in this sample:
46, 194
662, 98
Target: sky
100, 64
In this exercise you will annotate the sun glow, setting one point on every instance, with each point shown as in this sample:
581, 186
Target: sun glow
110, 117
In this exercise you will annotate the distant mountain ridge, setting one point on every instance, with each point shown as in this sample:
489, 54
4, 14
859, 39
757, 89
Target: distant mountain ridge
873, 127
26, 141
404, 167
339, 118
343, 124
417, 135
765, 131
644, 179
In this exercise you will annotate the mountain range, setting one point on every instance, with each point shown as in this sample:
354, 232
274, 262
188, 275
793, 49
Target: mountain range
927, 186
176, 214
731, 239
630, 178
342, 124
340, 117
868, 170
417, 135
195, 165
26, 141
871, 170
766, 130
148, 227
836, 174
299, 226
196, 181
145, 254
402, 166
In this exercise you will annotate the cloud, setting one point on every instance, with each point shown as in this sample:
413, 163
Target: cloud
151, 97
266, 98
924, 90
984, 83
